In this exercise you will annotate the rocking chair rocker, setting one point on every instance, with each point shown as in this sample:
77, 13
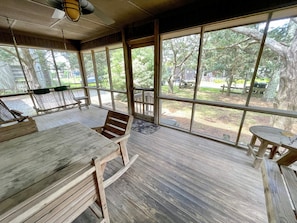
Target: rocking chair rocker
117, 127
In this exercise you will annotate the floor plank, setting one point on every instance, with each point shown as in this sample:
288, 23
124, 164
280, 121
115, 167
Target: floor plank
178, 177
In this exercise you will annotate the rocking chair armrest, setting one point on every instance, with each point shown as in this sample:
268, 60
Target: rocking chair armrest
16, 112
120, 138
98, 129
20, 116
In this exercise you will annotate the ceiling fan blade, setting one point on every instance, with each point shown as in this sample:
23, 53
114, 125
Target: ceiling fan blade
58, 14
101, 15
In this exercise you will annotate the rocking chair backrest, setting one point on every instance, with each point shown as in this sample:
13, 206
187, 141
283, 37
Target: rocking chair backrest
8, 115
5, 114
117, 124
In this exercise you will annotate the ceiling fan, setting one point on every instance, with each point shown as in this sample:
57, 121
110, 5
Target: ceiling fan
73, 9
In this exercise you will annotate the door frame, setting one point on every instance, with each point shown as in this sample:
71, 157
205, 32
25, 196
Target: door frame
133, 44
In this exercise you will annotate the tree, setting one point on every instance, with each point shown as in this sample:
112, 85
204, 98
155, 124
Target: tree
7, 60
117, 68
285, 46
179, 54
29, 58
143, 67
102, 69
229, 55
42, 58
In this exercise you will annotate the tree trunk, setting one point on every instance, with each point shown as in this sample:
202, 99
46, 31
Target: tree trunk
244, 90
229, 83
170, 84
286, 98
29, 63
271, 90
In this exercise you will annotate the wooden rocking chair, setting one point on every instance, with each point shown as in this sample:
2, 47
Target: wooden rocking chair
8, 115
23, 124
117, 127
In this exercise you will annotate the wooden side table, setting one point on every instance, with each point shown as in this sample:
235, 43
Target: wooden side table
270, 136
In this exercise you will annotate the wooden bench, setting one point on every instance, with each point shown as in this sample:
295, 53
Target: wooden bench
235, 90
64, 200
280, 187
258, 90
50, 99
48, 176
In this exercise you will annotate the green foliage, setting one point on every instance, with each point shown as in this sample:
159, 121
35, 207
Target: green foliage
143, 67
117, 67
228, 54
209, 89
88, 64
282, 30
8, 55
179, 55
102, 70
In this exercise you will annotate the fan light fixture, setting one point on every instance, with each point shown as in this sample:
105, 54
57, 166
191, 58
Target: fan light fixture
72, 9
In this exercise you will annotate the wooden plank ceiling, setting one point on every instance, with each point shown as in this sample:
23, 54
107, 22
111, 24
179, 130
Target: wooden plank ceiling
35, 17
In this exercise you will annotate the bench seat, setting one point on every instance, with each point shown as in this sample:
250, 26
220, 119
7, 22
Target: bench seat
280, 187
50, 99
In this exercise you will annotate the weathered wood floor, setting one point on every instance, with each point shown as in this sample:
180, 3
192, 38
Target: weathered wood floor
177, 178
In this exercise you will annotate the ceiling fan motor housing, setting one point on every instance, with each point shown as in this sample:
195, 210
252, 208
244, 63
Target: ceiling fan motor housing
73, 8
